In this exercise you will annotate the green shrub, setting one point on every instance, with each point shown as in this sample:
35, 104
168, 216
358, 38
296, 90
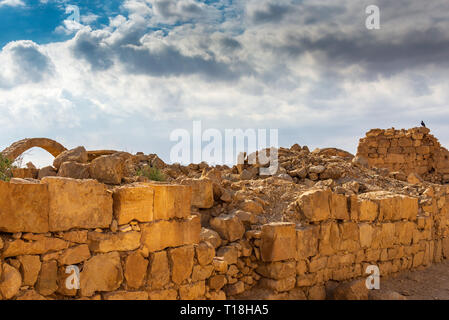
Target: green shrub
5, 168
151, 173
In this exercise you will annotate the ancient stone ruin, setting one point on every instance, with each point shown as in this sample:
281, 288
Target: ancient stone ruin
308, 232
406, 151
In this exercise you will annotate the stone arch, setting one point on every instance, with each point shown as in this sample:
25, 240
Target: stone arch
19, 147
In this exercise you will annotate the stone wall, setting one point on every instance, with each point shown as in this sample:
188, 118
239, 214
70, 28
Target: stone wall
144, 241
408, 151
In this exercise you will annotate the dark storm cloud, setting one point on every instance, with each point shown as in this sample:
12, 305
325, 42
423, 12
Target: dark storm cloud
270, 14
88, 46
168, 61
230, 44
385, 57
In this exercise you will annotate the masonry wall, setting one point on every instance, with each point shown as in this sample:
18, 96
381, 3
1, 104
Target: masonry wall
143, 242
413, 150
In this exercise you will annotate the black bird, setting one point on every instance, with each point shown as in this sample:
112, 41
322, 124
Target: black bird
423, 124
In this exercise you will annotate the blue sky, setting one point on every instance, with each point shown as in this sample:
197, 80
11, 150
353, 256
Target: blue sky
130, 72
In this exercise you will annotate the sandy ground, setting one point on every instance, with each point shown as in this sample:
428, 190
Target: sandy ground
431, 283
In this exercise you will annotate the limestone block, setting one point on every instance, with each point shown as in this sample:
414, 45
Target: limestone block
78, 204
278, 241
24, 208
202, 192
174, 233
133, 203
314, 205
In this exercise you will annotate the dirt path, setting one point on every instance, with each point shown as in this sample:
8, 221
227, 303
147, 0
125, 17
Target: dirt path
431, 283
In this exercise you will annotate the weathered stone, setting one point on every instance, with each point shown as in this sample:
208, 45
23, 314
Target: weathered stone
75, 236
368, 210
78, 154
414, 178
74, 170
366, 235
107, 242
192, 291
200, 273
252, 207
202, 192
307, 241
48, 278
24, 208
126, 295
339, 207
158, 271
314, 205
229, 254
135, 270
78, 204
10, 281
385, 295
108, 169
229, 227
24, 173
316, 293
169, 294
47, 172
164, 234
278, 241
171, 201
31, 295
30, 266
281, 285
234, 289
204, 252
102, 272
20, 247
220, 264
277, 270
181, 261
354, 290
210, 236
133, 203
74, 255
217, 282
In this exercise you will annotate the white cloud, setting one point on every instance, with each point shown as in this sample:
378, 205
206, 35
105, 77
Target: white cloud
12, 3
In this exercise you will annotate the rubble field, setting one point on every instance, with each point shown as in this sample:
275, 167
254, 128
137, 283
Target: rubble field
138, 228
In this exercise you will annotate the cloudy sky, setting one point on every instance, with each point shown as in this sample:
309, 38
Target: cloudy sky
128, 73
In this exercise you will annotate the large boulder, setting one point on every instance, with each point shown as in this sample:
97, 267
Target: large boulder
229, 227
47, 172
75, 170
108, 169
78, 154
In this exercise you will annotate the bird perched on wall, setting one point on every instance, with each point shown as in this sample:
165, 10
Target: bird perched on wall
423, 124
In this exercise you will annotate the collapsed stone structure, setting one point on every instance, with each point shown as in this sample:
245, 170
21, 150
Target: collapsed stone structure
407, 151
216, 233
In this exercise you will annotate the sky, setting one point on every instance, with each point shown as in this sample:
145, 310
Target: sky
127, 73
